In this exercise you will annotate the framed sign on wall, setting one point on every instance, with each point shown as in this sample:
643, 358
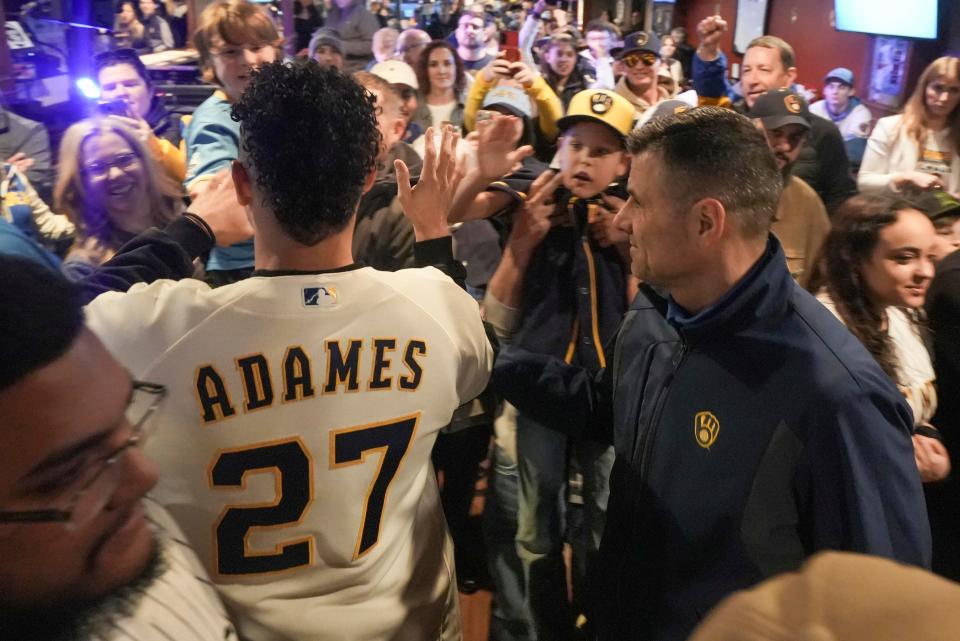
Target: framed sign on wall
751, 22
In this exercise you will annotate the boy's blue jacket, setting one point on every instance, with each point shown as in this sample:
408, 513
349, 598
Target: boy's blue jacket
747, 437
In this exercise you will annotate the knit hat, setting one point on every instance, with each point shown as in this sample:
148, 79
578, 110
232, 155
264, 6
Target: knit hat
325, 36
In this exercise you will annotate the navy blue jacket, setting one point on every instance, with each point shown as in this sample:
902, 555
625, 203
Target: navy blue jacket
747, 438
574, 290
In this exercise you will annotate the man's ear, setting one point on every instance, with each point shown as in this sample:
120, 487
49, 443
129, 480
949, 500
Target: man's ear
241, 183
370, 179
792, 75
709, 220
399, 126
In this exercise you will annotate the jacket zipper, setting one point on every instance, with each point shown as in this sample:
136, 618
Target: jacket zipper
646, 441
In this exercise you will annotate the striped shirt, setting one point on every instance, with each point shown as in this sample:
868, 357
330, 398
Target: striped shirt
180, 604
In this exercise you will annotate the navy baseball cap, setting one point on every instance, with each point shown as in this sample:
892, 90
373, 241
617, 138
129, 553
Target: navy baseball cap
639, 41
779, 107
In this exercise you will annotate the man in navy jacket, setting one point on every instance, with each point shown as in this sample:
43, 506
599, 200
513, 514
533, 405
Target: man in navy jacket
751, 428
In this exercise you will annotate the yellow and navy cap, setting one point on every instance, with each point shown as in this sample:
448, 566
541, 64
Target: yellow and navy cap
600, 105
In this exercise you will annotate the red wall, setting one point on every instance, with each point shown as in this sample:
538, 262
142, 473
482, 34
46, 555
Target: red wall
806, 25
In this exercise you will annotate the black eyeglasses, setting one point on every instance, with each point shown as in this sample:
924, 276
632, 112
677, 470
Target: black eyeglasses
646, 57
98, 483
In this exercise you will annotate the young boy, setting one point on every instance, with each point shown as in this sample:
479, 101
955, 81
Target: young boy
561, 289
233, 38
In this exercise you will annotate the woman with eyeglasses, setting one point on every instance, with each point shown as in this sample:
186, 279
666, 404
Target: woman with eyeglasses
442, 80
563, 68
917, 150
122, 76
639, 62
873, 272
109, 185
233, 38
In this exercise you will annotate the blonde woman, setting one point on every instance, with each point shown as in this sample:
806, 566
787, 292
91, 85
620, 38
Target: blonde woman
111, 188
916, 151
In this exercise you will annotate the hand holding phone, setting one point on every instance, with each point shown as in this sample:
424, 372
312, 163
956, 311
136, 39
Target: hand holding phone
116, 107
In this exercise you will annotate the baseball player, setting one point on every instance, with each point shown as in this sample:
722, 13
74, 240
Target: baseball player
304, 402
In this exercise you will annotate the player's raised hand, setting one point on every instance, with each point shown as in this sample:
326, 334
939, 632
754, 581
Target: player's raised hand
496, 142
427, 204
216, 203
538, 215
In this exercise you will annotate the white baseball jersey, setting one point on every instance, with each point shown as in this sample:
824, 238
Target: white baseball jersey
295, 440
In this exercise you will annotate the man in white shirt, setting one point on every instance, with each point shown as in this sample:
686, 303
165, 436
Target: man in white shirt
851, 116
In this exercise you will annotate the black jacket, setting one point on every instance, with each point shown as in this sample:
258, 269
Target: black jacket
747, 438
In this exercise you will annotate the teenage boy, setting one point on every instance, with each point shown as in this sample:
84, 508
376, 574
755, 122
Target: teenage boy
562, 287
845, 110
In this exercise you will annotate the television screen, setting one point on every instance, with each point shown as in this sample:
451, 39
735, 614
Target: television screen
903, 18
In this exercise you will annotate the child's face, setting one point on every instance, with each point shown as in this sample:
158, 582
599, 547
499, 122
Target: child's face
591, 157
233, 64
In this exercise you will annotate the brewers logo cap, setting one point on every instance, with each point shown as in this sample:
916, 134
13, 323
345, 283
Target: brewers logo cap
600, 105
779, 107
638, 41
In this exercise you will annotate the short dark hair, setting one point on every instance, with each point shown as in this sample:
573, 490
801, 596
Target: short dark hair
712, 152
40, 317
121, 57
311, 137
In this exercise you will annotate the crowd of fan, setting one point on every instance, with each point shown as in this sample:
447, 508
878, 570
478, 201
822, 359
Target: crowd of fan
552, 115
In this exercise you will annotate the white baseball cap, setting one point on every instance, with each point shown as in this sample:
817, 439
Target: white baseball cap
396, 72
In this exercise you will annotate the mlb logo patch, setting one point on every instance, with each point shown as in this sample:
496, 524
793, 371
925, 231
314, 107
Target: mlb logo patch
319, 296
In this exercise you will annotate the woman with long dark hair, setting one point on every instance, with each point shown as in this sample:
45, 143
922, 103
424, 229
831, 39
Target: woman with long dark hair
442, 80
872, 273
917, 150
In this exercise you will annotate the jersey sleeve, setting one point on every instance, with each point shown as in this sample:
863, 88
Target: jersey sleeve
458, 315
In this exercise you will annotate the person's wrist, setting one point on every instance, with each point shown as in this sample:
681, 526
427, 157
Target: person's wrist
431, 231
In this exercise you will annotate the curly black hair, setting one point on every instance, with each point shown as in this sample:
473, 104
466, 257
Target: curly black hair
311, 137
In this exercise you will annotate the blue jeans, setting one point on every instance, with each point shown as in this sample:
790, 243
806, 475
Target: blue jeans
509, 618
542, 464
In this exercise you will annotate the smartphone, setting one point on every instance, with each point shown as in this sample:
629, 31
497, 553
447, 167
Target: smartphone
511, 54
117, 107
